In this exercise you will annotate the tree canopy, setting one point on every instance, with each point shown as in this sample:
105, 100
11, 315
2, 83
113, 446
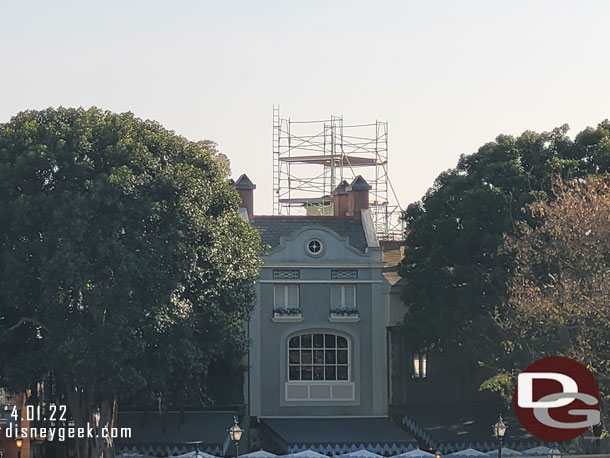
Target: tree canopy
125, 268
455, 275
559, 293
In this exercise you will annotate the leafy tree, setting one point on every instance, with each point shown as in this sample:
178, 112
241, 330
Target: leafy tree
221, 159
559, 294
455, 277
125, 269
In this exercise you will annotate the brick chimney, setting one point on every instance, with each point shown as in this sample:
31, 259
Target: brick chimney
358, 193
245, 188
341, 199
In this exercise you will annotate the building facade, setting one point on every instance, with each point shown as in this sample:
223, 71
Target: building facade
318, 352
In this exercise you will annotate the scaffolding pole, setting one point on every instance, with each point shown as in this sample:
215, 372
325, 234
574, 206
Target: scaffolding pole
310, 159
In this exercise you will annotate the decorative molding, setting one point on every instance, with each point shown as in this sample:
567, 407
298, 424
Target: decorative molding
286, 274
344, 274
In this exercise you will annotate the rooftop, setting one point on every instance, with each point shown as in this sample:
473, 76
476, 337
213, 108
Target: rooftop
273, 228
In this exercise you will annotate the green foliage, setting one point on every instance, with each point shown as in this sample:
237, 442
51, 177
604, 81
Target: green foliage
502, 383
125, 268
455, 276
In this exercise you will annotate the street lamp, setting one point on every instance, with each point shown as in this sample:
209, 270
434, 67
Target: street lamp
438, 454
19, 444
499, 431
235, 433
554, 452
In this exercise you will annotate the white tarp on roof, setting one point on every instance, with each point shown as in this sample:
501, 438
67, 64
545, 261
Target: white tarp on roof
305, 454
258, 454
466, 453
417, 453
194, 454
505, 452
536, 451
360, 454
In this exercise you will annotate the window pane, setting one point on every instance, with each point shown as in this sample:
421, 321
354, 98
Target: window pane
350, 296
318, 340
294, 373
306, 341
424, 366
306, 357
318, 372
335, 296
416, 365
306, 373
294, 342
293, 295
318, 356
279, 298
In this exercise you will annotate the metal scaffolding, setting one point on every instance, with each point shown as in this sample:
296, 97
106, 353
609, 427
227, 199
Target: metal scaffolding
310, 158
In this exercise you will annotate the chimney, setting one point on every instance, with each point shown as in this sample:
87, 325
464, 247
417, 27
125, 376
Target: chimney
245, 188
341, 199
358, 196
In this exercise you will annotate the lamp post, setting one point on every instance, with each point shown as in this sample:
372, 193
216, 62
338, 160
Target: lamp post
19, 444
499, 431
235, 433
438, 454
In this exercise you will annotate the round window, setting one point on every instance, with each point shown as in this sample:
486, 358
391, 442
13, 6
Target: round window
314, 247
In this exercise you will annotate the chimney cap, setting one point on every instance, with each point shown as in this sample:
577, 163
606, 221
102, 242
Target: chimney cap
359, 184
244, 183
342, 188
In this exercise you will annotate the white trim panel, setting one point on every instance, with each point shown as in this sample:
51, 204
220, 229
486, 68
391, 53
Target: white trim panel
320, 391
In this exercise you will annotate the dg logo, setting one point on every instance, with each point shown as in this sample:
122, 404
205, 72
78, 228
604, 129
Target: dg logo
556, 399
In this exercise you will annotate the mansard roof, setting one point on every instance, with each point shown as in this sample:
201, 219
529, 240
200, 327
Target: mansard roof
273, 228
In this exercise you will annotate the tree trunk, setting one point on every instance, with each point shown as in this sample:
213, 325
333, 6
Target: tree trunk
97, 421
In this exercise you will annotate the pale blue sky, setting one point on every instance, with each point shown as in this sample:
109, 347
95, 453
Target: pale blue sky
447, 75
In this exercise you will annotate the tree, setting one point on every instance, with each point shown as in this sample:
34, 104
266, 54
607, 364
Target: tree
125, 269
455, 277
559, 293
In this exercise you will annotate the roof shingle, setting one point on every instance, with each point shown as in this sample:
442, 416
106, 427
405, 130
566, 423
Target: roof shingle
273, 228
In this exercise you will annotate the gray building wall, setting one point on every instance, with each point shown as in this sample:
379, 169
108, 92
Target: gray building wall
269, 338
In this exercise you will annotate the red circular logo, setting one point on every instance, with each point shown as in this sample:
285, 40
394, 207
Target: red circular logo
556, 399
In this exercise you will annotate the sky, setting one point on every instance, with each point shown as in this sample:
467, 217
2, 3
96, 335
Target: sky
448, 76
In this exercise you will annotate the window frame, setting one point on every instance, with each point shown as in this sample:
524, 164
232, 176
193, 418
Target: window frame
419, 366
286, 288
336, 364
343, 287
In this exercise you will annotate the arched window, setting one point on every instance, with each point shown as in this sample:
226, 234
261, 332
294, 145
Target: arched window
318, 356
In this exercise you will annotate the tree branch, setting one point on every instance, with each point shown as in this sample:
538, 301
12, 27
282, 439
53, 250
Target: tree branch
28, 320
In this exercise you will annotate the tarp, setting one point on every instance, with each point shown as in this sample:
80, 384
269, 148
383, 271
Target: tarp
536, 451
258, 454
336, 436
360, 454
417, 453
304, 454
505, 452
194, 454
466, 453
